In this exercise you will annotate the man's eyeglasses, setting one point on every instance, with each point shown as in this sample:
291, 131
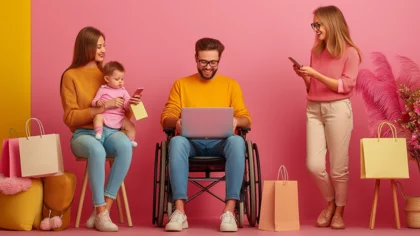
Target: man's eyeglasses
316, 25
212, 63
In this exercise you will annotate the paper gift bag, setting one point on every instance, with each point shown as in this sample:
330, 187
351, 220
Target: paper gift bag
10, 160
279, 204
139, 111
41, 155
384, 158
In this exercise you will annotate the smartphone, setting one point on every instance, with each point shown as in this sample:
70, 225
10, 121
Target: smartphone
138, 91
295, 62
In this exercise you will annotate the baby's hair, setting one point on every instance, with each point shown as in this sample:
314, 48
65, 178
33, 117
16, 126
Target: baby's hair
111, 66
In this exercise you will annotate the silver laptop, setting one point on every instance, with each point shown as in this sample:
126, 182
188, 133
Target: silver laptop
207, 123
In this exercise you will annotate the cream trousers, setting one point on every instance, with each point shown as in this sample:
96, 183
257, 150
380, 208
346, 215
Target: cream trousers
328, 128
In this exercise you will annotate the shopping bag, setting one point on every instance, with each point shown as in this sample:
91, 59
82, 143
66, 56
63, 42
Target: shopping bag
41, 155
10, 158
279, 205
384, 158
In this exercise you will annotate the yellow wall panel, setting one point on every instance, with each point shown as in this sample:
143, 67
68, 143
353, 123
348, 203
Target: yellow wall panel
15, 65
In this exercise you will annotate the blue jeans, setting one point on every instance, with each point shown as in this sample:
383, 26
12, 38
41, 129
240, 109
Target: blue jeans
113, 143
180, 149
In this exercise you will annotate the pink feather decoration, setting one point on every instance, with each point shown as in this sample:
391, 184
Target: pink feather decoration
380, 94
409, 73
379, 91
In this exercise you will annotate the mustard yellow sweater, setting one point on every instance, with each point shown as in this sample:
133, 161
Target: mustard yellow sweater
193, 91
78, 89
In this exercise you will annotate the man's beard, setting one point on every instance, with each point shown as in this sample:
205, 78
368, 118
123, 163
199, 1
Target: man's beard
206, 78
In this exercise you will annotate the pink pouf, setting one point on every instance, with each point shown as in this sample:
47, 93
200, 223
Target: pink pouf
13, 185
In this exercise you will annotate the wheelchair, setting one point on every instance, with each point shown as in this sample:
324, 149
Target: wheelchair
250, 194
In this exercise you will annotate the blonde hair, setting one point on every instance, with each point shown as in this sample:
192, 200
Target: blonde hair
338, 34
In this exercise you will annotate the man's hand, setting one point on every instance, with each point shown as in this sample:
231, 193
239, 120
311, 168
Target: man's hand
235, 123
100, 103
178, 126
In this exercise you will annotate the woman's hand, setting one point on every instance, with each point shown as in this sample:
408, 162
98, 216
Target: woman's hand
302, 73
308, 71
135, 100
114, 103
297, 70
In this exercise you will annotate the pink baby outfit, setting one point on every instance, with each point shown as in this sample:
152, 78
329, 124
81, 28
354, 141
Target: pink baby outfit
113, 117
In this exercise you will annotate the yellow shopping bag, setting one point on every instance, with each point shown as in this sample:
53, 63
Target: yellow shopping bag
384, 158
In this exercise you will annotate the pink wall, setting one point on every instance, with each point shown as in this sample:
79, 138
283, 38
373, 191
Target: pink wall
155, 41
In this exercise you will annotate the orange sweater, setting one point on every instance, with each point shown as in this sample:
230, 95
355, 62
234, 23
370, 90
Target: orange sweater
78, 89
193, 91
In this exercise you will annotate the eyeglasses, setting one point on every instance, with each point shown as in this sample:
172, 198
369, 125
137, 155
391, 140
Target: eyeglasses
316, 25
212, 63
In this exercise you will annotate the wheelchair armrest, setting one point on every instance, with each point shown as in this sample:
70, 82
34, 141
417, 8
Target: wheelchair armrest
169, 131
244, 130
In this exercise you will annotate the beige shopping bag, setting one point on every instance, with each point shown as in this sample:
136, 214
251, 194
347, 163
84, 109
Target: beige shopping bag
279, 204
384, 158
41, 155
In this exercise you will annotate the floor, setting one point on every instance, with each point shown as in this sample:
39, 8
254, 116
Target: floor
210, 227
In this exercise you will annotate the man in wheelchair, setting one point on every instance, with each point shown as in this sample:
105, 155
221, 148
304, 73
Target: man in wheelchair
206, 88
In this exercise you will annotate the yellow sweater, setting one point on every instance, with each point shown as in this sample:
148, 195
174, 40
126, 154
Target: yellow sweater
78, 89
193, 91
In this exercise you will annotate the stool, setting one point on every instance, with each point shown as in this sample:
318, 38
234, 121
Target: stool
375, 203
124, 194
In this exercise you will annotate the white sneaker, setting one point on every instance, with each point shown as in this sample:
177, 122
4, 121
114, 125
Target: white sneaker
90, 223
177, 222
228, 222
103, 222
134, 143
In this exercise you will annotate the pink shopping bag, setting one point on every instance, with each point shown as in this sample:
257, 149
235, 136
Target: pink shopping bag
10, 157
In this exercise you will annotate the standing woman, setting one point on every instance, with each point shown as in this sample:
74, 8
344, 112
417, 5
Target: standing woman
79, 84
330, 80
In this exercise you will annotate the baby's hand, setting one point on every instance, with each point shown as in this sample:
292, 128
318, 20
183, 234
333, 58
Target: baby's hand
100, 103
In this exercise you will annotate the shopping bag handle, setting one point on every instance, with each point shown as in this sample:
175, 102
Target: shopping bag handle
11, 131
401, 188
392, 128
284, 174
41, 128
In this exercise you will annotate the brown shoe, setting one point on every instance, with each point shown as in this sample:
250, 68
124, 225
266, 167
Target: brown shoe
337, 222
324, 219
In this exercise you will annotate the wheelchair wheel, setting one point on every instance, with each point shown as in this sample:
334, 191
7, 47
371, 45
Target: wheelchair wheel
170, 209
159, 184
250, 199
258, 180
241, 214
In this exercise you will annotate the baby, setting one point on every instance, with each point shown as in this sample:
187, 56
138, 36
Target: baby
113, 118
